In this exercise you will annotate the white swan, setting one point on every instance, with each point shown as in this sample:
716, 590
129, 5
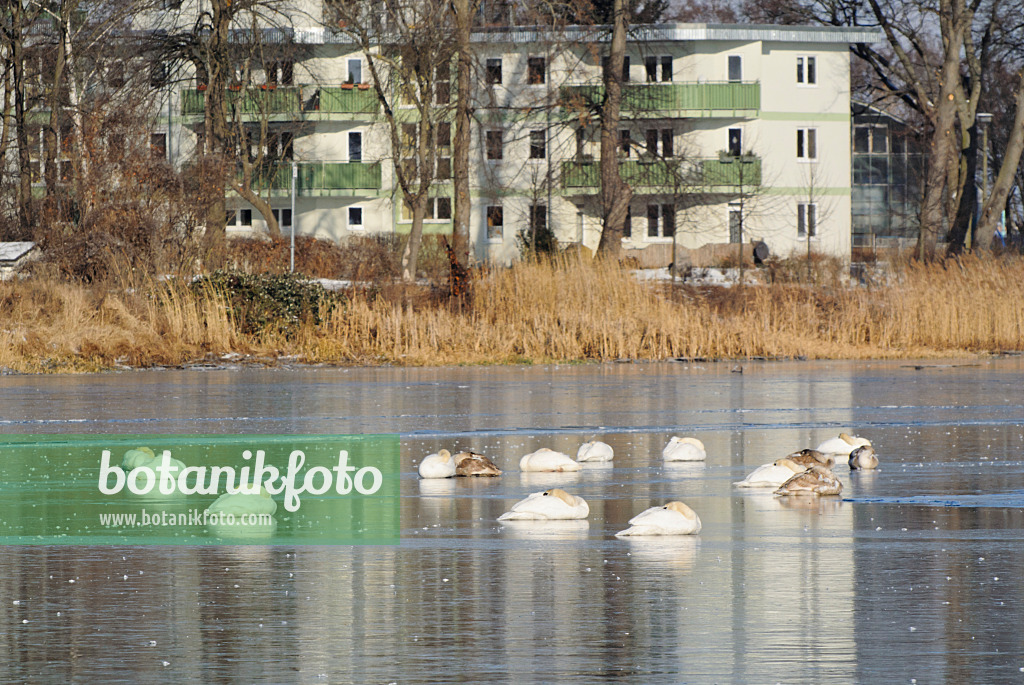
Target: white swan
240, 504
675, 518
473, 464
771, 475
684, 449
144, 456
546, 459
547, 506
816, 480
439, 465
595, 450
863, 458
842, 445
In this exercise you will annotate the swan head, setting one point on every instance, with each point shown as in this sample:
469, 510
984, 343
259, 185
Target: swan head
445, 455
689, 441
863, 458
562, 495
791, 465
681, 508
854, 441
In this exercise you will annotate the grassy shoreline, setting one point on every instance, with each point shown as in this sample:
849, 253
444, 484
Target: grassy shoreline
562, 311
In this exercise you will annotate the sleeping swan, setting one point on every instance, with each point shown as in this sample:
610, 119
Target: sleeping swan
771, 475
550, 505
684, 449
816, 480
439, 465
842, 445
473, 464
240, 504
144, 456
546, 459
675, 518
863, 458
595, 450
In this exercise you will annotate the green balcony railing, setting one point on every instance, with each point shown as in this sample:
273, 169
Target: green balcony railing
670, 96
682, 174
321, 176
289, 100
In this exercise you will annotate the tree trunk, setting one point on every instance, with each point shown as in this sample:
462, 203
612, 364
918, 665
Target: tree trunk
53, 101
967, 200
410, 256
932, 210
460, 156
25, 215
996, 201
615, 193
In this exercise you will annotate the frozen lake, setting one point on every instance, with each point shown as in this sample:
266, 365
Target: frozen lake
914, 573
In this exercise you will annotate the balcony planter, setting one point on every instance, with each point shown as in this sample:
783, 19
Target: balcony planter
235, 88
269, 86
348, 86
201, 86
364, 86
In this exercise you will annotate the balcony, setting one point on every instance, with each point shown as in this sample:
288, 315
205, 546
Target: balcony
676, 175
680, 99
292, 101
324, 178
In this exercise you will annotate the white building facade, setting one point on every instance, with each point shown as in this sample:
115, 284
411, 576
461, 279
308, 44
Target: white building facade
729, 134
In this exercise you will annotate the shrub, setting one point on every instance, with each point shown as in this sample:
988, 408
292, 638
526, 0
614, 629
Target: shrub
278, 303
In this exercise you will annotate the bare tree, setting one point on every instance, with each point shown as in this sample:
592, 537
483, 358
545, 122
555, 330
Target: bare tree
408, 46
615, 193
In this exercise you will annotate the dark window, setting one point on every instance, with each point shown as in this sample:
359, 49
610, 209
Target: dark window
158, 144
625, 68
651, 68
283, 216
668, 220
538, 145
535, 70
287, 72
627, 225
355, 217
495, 222
538, 218
246, 217
355, 146
666, 68
735, 142
652, 221
735, 225
667, 146
624, 142
444, 208
652, 141
355, 71
581, 140
493, 141
493, 74
735, 68
443, 85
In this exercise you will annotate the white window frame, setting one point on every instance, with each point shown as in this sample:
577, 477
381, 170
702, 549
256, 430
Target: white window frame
543, 142
348, 69
489, 63
487, 145
660, 209
807, 144
238, 224
544, 71
279, 215
361, 226
806, 68
802, 222
430, 215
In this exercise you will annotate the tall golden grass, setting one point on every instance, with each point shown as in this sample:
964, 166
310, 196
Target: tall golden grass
562, 310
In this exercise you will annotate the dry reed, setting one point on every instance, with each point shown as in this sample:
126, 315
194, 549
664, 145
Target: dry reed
565, 310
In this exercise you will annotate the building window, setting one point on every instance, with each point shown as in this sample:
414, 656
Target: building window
664, 137
735, 68
492, 75
443, 85
807, 143
239, 218
493, 144
624, 142
651, 64
871, 139
627, 224
444, 151
535, 70
158, 145
355, 146
581, 143
280, 72
661, 221
437, 209
735, 142
115, 74
806, 70
735, 224
284, 217
625, 66
355, 71
355, 218
495, 223
538, 144
538, 218
806, 219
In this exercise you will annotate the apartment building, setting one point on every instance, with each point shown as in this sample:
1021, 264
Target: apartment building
729, 134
